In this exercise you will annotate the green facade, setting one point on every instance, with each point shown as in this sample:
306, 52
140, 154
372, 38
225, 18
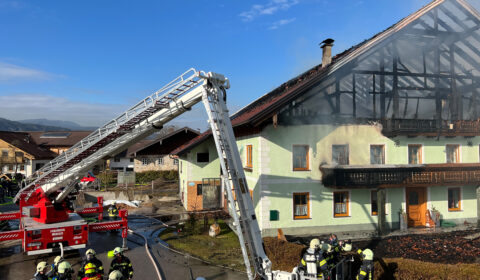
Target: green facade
273, 180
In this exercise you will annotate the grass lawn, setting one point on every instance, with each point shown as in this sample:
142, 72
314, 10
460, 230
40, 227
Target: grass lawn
223, 249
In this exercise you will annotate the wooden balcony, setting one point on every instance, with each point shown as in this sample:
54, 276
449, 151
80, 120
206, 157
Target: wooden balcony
12, 160
409, 127
392, 176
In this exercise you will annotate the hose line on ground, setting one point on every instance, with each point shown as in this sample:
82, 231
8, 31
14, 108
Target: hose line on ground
148, 253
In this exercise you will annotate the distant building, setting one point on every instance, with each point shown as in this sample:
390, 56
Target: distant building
155, 155
20, 154
58, 141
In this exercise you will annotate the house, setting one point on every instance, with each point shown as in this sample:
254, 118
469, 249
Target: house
155, 155
123, 161
19, 154
386, 129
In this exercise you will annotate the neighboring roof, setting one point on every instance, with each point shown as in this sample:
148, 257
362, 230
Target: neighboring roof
164, 144
23, 141
267, 105
58, 138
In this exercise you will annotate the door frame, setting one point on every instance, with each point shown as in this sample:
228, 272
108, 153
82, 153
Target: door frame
423, 204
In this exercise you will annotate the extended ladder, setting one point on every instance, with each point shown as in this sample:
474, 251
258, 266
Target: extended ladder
134, 124
243, 212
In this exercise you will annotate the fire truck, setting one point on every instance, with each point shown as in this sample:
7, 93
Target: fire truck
48, 224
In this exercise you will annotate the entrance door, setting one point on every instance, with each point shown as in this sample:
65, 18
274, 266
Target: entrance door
416, 206
211, 190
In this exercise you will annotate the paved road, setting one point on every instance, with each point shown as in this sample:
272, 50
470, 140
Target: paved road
17, 266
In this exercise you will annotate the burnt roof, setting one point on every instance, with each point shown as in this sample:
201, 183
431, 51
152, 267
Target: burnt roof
263, 108
24, 142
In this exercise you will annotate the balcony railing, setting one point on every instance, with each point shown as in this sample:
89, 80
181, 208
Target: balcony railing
11, 160
400, 175
396, 127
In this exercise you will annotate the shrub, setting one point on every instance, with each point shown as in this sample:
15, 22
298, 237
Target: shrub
149, 176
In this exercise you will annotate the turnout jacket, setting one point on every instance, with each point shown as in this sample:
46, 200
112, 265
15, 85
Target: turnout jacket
366, 271
123, 265
313, 263
95, 261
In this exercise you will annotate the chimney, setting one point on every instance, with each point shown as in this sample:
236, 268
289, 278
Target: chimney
327, 52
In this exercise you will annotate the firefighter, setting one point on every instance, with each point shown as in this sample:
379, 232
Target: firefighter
347, 245
113, 211
53, 273
65, 271
2, 193
366, 270
91, 272
313, 264
90, 258
121, 263
115, 275
41, 271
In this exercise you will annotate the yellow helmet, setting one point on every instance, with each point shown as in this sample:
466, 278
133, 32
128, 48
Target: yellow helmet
57, 260
41, 266
64, 267
90, 268
367, 255
314, 243
115, 275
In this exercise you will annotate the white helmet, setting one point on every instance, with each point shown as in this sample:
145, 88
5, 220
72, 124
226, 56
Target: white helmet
314, 243
115, 275
64, 267
367, 255
117, 250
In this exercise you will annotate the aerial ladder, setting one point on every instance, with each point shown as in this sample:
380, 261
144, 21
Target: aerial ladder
42, 200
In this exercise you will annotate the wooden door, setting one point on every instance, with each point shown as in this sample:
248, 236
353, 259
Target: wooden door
416, 206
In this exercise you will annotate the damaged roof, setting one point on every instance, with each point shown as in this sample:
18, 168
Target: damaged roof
263, 108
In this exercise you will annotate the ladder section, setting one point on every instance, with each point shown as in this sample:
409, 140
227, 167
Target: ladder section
243, 211
123, 124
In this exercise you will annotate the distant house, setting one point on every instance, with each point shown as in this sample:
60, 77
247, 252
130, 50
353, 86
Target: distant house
155, 155
20, 154
124, 161
58, 141
386, 130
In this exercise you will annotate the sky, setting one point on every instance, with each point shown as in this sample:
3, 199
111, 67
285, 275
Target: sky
88, 61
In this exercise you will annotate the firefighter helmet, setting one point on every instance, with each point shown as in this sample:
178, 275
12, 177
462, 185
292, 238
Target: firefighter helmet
90, 268
115, 275
327, 248
367, 255
90, 252
57, 260
41, 266
314, 243
117, 250
64, 267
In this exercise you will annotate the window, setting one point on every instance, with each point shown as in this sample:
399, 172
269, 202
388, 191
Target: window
340, 154
415, 154
132, 159
19, 154
377, 154
4, 153
145, 161
248, 162
39, 165
10, 167
175, 161
453, 153
373, 202
116, 159
301, 206
300, 157
202, 157
22, 167
340, 204
160, 161
454, 200
199, 189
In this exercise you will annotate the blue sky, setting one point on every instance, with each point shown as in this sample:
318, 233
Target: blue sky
88, 61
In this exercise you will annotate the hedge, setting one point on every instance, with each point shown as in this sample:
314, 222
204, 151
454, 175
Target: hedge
149, 176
